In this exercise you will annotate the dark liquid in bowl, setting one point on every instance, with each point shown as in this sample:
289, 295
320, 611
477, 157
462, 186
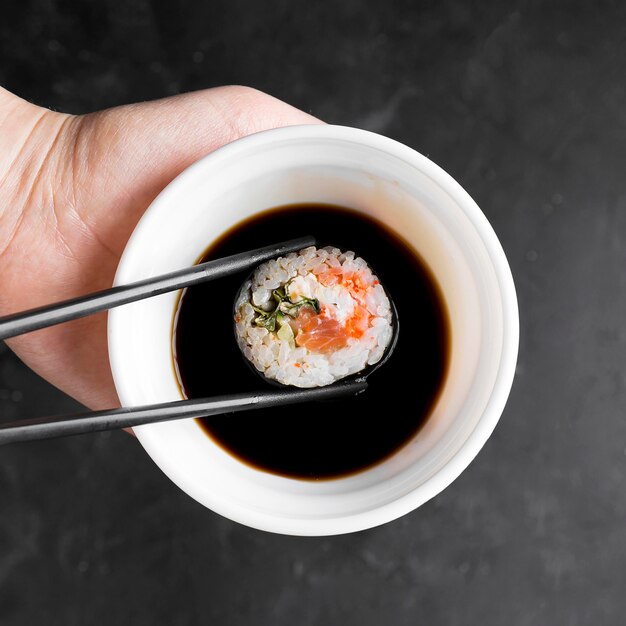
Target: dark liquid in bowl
317, 440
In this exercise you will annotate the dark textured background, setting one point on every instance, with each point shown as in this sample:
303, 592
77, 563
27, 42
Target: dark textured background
525, 104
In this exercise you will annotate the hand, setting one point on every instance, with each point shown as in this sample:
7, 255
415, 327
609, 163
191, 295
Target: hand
72, 189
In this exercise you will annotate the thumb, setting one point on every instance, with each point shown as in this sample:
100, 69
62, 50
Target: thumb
157, 140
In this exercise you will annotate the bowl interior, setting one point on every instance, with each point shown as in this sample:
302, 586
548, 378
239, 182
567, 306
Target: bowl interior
321, 165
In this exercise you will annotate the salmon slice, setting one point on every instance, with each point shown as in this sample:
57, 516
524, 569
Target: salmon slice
320, 333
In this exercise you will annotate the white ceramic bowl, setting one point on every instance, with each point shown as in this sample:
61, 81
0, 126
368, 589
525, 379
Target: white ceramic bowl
413, 196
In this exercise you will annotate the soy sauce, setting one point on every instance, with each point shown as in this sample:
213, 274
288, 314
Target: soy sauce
317, 440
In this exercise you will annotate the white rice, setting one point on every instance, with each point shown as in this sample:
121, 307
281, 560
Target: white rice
277, 353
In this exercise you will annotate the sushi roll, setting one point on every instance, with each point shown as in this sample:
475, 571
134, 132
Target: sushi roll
313, 317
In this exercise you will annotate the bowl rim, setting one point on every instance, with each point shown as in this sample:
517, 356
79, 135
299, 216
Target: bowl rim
503, 380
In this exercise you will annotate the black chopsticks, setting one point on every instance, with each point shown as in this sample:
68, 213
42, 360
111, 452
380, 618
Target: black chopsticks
125, 417
95, 421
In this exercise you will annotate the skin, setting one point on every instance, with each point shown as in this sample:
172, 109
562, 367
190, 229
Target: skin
72, 188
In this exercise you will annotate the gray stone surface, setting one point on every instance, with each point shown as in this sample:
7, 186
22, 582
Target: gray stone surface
525, 104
